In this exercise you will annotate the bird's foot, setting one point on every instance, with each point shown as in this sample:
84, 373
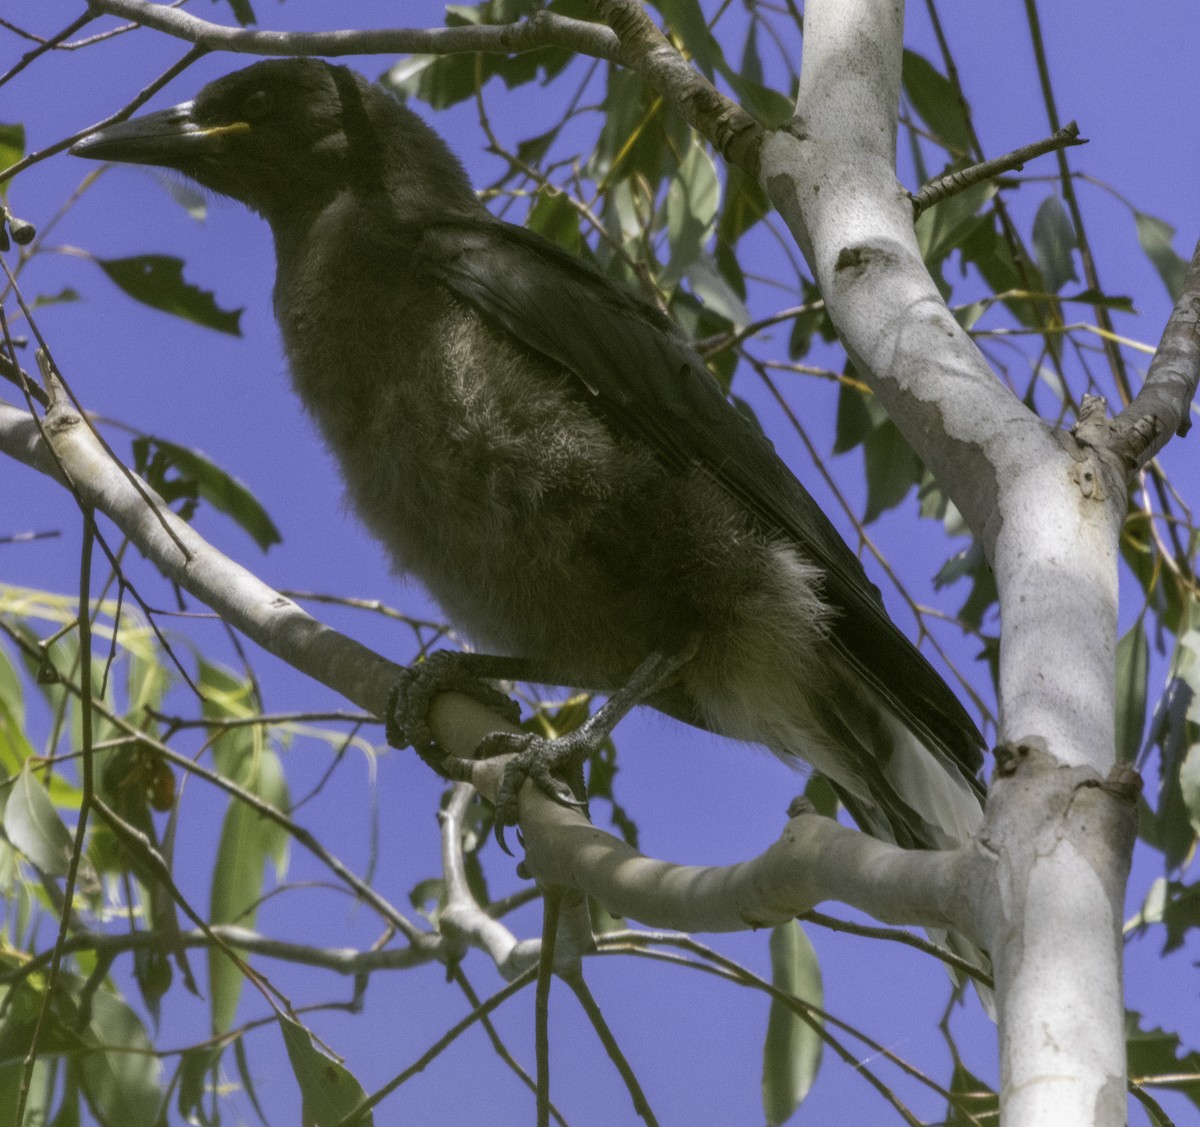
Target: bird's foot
543, 761
408, 705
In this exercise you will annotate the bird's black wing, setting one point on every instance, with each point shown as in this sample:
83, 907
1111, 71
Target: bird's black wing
653, 384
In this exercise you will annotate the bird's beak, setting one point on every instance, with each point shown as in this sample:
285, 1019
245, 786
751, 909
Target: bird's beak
164, 138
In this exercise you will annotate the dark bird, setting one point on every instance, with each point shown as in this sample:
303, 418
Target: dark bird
549, 455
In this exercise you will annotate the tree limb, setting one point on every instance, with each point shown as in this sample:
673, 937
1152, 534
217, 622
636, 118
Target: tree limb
543, 29
647, 52
1162, 407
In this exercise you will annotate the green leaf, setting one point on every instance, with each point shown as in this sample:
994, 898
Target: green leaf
553, 216
858, 414
690, 212
1117, 302
640, 136
438, 80
822, 795
195, 1068
1054, 241
64, 295
444, 80
751, 68
893, 469
246, 1077
949, 224
687, 21
745, 205
1173, 904
974, 1103
242, 11
157, 280
12, 149
15, 748
1155, 1052
1189, 785
121, 1078
198, 475
34, 827
716, 294
1155, 235
248, 841
991, 253
1133, 672
1169, 828
36, 1107
792, 1050
328, 1090
971, 563
812, 321
12, 144
934, 97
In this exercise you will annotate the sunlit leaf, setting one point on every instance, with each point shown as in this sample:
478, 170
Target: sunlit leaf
974, 1103
12, 144
34, 827
691, 210
1155, 235
1169, 827
553, 216
792, 1050
248, 841
122, 1082
12, 149
328, 1090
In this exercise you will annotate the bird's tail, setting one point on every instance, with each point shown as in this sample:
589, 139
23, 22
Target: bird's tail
899, 786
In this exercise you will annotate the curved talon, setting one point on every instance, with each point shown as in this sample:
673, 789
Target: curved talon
535, 758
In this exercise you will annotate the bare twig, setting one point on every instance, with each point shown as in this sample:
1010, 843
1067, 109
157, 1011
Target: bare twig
937, 190
544, 29
1160, 409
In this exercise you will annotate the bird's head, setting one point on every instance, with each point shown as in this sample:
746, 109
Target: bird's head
284, 135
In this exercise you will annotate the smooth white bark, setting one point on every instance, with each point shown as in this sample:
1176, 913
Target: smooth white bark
1047, 511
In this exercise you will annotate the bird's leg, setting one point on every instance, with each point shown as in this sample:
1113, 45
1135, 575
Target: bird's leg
539, 758
535, 757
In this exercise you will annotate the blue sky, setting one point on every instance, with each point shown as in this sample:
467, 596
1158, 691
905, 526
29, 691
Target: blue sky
1126, 74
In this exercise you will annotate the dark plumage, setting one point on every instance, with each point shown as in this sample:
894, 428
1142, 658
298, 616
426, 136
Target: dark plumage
550, 456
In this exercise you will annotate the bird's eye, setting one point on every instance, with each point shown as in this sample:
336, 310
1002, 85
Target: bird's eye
257, 105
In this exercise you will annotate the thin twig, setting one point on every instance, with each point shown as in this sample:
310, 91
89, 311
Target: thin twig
954, 182
86, 799
595, 1015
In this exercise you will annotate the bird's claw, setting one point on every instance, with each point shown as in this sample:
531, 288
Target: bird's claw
535, 758
407, 721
